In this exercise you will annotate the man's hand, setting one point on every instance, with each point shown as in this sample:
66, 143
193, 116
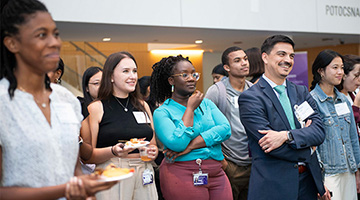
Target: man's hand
272, 139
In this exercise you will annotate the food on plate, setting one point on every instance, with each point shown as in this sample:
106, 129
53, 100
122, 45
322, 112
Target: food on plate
112, 171
136, 141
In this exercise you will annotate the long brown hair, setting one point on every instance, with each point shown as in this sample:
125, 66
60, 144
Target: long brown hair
106, 87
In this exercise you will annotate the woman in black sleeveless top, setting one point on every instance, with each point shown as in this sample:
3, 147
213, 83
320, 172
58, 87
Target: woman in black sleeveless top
119, 114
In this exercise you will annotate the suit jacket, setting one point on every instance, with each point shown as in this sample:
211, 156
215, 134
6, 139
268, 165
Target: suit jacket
275, 175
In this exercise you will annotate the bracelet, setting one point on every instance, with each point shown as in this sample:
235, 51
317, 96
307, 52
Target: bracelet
80, 140
112, 151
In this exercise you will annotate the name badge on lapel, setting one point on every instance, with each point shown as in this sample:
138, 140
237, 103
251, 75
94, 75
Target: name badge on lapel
302, 112
342, 109
141, 117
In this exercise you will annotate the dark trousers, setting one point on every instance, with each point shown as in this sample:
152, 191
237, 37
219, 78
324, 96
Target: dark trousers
307, 187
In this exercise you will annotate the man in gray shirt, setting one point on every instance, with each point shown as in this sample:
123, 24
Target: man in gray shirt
225, 95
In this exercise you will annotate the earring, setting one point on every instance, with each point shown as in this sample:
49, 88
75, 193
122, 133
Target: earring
56, 80
112, 81
172, 88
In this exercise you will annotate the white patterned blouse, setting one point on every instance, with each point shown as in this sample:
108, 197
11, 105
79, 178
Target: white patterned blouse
35, 153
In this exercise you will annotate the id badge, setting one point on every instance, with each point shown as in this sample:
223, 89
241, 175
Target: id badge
342, 109
303, 111
200, 179
147, 177
141, 117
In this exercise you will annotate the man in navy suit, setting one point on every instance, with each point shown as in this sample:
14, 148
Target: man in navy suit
284, 163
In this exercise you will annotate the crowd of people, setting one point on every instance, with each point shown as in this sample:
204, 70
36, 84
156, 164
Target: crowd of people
253, 134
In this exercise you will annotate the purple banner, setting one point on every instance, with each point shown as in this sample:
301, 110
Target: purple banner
299, 73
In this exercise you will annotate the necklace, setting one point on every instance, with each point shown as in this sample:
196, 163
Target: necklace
125, 107
43, 105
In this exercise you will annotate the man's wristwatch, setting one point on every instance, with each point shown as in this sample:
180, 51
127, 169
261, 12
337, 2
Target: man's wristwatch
290, 137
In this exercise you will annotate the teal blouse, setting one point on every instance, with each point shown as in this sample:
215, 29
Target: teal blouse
209, 122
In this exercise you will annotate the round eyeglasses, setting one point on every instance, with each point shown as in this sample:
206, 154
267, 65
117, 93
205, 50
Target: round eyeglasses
186, 76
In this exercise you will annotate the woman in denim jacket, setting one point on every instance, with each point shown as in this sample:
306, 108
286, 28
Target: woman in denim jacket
340, 152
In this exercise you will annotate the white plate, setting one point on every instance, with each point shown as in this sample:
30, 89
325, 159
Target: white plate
115, 178
138, 145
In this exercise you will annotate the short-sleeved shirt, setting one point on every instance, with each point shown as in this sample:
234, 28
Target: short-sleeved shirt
35, 154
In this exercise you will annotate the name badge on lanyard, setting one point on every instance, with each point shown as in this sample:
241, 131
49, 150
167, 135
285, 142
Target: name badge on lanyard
200, 178
148, 177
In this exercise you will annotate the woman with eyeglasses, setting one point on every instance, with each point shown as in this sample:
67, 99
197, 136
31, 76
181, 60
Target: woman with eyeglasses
339, 153
191, 129
90, 85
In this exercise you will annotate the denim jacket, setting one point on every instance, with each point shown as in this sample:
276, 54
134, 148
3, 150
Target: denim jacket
340, 134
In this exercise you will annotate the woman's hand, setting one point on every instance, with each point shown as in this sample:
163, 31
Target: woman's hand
75, 189
195, 100
92, 185
172, 155
152, 151
357, 176
357, 100
120, 150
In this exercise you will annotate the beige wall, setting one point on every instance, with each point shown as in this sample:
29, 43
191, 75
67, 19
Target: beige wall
79, 63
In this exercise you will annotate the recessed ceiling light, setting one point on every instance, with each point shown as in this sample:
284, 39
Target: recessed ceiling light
106, 39
198, 41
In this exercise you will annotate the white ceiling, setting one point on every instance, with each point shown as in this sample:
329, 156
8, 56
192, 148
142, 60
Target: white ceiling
215, 40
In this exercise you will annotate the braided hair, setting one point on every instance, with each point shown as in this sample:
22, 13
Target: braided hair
14, 13
322, 60
160, 89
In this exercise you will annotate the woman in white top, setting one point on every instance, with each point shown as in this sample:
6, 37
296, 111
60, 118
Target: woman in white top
39, 121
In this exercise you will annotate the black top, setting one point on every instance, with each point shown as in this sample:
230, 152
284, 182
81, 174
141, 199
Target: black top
116, 124
84, 105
